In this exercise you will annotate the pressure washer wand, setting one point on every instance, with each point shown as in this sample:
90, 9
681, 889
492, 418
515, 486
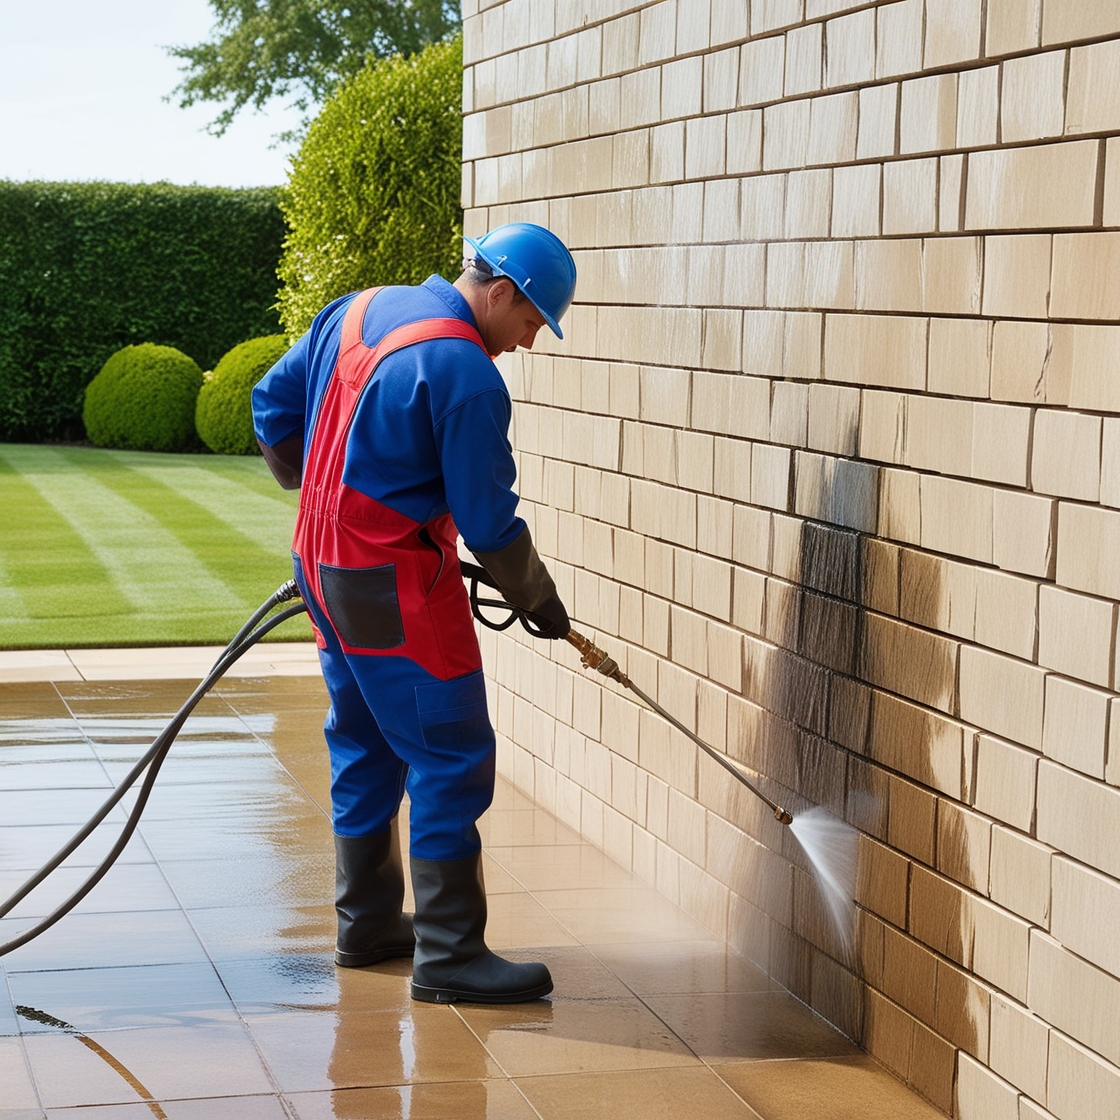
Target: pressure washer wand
595, 658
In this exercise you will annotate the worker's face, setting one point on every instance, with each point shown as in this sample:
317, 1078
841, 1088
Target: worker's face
512, 321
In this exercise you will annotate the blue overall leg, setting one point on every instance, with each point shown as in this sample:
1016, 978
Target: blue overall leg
393, 725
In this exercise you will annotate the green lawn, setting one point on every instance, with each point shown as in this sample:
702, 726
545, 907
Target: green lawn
115, 548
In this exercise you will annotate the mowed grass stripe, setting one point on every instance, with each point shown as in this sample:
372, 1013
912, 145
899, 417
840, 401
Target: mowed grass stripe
233, 559
47, 567
265, 522
147, 563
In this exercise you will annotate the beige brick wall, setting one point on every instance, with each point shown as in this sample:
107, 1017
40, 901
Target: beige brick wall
830, 461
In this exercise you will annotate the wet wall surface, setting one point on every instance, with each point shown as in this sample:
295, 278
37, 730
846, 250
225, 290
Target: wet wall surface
197, 980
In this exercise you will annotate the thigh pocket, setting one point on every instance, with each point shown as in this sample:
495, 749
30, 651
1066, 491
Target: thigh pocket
362, 605
453, 713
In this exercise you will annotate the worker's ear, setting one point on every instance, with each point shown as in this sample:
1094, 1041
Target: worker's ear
500, 292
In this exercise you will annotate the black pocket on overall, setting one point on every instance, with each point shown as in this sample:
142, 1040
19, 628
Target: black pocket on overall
362, 605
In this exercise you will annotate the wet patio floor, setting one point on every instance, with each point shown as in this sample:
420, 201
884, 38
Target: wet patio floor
196, 982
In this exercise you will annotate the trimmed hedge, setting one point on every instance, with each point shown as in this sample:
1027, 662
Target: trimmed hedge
373, 197
86, 268
144, 400
224, 413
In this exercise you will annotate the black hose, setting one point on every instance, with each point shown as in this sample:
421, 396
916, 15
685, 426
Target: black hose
153, 758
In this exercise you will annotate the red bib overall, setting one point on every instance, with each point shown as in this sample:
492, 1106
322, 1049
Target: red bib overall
388, 585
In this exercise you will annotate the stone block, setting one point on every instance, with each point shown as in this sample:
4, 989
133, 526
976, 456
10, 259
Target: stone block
912, 827
1066, 21
856, 194
1023, 368
910, 196
978, 107
887, 351
729, 23
771, 476
928, 114
953, 32
1024, 533
898, 48
834, 413
1006, 613
768, 15
878, 112
1032, 97
1018, 1046
1005, 781
1076, 634
937, 593
1079, 892
1075, 731
981, 1095
694, 21
744, 142
1087, 539
1013, 26
785, 134
1085, 358
682, 84
850, 58
888, 274
1001, 439
808, 204
957, 517
960, 355
804, 59
950, 194
920, 744
1002, 695
883, 881
833, 128
762, 71
951, 275
720, 80
1073, 996
1079, 1083
1020, 875
705, 147
1035, 187
1078, 816
909, 661
939, 435
900, 516
789, 413
1086, 271
1066, 455
1017, 275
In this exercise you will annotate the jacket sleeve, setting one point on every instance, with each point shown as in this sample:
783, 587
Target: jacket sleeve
280, 398
478, 470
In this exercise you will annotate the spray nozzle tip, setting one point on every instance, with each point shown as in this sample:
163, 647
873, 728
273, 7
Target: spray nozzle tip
783, 816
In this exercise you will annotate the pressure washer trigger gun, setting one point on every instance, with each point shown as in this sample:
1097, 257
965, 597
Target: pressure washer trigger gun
477, 574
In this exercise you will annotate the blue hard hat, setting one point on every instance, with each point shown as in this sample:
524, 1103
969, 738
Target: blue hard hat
536, 260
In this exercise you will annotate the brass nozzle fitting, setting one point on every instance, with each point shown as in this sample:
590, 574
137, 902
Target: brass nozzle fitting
783, 816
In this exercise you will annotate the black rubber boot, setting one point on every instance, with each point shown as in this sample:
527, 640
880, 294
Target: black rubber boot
369, 894
452, 962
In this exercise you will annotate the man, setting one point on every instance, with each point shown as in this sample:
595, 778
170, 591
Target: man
392, 418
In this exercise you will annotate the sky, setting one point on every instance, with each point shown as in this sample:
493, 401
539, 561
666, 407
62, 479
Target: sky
82, 88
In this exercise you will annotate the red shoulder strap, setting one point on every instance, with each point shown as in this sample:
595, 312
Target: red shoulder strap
354, 369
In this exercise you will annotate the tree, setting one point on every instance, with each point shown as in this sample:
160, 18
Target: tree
373, 197
263, 49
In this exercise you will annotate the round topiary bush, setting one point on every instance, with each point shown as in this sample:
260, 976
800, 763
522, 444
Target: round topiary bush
373, 196
143, 399
224, 413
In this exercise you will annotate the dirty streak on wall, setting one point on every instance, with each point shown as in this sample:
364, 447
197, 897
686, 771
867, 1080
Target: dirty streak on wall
829, 461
